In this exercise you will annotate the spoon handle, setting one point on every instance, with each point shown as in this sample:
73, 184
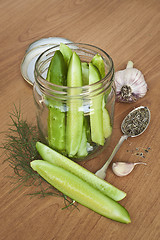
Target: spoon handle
102, 172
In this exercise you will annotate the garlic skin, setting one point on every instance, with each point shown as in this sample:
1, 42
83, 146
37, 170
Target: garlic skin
130, 84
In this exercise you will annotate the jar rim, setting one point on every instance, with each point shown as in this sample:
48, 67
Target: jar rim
44, 84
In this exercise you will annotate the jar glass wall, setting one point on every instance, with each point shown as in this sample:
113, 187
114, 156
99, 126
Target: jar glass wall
75, 121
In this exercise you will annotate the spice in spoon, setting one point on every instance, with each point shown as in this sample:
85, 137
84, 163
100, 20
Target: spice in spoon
136, 122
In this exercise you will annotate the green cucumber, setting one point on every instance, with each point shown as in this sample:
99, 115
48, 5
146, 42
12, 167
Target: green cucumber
96, 114
79, 190
56, 127
74, 125
85, 73
67, 53
82, 151
57, 71
88, 129
99, 63
107, 128
57, 74
58, 159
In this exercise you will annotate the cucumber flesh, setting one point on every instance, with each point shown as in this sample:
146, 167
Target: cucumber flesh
88, 129
99, 63
67, 53
96, 114
74, 125
58, 159
107, 128
81, 191
85, 73
82, 151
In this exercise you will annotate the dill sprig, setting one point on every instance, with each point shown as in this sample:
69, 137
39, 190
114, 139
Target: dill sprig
20, 149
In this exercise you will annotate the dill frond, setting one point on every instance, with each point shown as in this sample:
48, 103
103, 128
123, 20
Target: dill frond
20, 149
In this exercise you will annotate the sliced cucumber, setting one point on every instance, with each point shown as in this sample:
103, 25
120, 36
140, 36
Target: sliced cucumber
96, 114
57, 71
58, 159
99, 63
82, 151
74, 125
85, 73
79, 190
57, 74
107, 128
67, 53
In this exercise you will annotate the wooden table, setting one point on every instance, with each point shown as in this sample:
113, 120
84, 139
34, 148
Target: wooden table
127, 30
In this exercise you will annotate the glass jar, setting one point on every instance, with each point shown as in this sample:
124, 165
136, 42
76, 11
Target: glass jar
75, 121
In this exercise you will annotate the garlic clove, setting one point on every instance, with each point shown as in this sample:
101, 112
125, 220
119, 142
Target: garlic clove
130, 84
123, 168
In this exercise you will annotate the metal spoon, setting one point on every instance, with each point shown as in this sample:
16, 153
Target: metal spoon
133, 125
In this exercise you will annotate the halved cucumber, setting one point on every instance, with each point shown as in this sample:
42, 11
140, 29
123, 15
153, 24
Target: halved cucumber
57, 74
74, 125
67, 53
99, 63
79, 190
96, 114
58, 159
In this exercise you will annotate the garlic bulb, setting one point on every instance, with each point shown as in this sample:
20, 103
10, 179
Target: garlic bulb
130, 84
122, 169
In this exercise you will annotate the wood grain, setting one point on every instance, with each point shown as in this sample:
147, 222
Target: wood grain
127, 30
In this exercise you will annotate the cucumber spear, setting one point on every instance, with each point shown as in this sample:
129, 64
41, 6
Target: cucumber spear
74, 125
67, 53
99, 63
57, 74
96, 114
58, 159
82, 192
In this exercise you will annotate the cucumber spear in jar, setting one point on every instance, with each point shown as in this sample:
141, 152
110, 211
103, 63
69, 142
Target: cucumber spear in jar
57, 74
107, 128
74, 125
96, 114
66, 52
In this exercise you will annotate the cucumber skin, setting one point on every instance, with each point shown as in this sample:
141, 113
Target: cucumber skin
96, 114
58, 159
81, 191
74, 126
57, 71
57, 74
56, 127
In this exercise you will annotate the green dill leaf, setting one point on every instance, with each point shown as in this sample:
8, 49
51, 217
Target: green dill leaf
20, 149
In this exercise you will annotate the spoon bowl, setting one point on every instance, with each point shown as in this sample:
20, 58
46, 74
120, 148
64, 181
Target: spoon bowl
133, 125
136, 122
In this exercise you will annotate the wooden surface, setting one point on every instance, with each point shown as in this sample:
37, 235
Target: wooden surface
127, 30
